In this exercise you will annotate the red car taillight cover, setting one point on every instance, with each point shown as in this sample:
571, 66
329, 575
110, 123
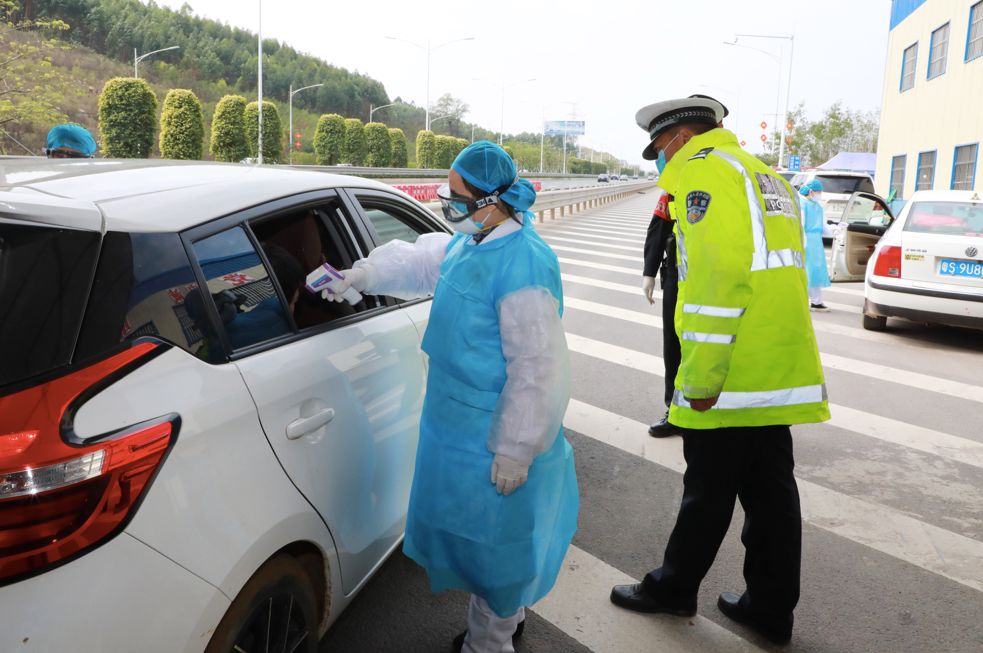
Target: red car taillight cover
61, 496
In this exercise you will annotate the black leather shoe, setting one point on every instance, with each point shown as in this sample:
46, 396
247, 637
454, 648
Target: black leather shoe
730, 604
459, 640
634, 597
663, 429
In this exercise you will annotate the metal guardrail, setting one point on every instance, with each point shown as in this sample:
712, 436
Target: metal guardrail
420, 173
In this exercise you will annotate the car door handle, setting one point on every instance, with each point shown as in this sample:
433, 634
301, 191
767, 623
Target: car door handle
301, 427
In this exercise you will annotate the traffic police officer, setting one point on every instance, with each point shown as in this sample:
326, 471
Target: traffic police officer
660, 258
750, 368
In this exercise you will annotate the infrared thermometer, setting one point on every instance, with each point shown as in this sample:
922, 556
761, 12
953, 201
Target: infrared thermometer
327, 278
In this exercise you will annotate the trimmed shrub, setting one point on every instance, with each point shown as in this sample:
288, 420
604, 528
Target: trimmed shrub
445, 151
329, 136
272, 131
353, 148
182, 126
228, 141
399, 157
127, 118
378, 147
426, 149
508, 150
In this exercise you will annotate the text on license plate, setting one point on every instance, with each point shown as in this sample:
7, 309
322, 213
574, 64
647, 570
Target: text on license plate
954, 268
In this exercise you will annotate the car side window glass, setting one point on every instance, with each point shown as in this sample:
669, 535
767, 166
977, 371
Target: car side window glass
145, 286
296, 243
390, 223
241, 289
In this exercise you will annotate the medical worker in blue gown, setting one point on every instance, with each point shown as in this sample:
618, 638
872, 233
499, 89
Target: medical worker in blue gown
494, 501
812, 224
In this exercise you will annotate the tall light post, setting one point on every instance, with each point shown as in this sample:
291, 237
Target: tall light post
290, 157
137, 60
788, 90
429, 49
778, 95
373, 109
503, 86
259, 86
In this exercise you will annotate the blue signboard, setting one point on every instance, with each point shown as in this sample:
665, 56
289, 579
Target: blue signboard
561, 127
794, 163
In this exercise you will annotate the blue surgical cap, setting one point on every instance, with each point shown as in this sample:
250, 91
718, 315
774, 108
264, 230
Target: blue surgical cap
814, 186
487, 166
72, 136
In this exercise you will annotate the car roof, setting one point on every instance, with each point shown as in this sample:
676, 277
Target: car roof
837, 173
946, 196
153, 195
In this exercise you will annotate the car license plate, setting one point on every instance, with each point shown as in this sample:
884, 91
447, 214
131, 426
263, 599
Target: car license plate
954, 268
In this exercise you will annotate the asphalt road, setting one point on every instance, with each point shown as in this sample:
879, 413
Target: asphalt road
891, 487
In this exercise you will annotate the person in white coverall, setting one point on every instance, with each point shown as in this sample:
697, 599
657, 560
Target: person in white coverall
494, 501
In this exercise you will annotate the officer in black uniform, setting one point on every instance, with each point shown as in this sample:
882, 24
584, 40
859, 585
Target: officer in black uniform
660, 256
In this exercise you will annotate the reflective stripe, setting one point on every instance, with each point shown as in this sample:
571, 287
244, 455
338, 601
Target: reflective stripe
714, 338
682, 265
763, 258
712, 311
809, 394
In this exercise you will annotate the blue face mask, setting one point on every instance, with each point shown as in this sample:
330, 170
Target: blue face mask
660, 161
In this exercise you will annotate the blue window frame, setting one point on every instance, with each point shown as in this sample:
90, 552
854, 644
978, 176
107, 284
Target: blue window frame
897, 175
925, 179
938, 51
974, 39
964, 167
909, 62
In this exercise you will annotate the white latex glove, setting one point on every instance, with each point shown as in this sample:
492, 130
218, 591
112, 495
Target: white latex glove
648, 287
357, 278
507, 475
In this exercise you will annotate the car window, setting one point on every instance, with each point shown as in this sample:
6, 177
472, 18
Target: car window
241, 289
845, 185
866, 210
44, 278
298, 242
390, 222
952, 218
145, 286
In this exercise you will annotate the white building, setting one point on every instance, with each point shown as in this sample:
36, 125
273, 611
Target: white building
932, 107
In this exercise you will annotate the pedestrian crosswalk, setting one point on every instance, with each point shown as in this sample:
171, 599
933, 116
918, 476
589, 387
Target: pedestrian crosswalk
884, 485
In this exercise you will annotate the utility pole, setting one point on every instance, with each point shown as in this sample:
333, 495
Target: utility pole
259, 158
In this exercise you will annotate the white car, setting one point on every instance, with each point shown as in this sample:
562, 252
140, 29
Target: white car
927, 265
837, 188
195, 452
866, 214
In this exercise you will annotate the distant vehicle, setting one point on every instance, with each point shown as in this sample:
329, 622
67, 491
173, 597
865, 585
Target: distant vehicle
924, 266
634, 177
602, 178
651, 177
786, 175
614, 178
226, 456
837, 189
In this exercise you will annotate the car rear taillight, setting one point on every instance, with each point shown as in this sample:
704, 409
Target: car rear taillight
61, 496
888, 262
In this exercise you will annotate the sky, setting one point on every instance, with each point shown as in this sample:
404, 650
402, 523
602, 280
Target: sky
593, 61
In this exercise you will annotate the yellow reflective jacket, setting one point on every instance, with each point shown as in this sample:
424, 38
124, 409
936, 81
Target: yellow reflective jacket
743, 311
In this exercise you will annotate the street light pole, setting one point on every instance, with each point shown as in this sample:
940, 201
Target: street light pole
259, 86
372, 109
290, 101
429, 50
137, 60
788, 94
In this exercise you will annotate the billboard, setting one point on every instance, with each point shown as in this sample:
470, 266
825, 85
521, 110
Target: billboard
568, 127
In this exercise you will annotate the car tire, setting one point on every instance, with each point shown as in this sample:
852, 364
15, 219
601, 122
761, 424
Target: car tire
874, 322
276, 610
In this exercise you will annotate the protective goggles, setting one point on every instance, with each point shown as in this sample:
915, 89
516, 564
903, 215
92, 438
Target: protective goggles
457, 207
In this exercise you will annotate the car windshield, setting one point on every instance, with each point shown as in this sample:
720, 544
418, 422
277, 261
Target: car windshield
952, 218
845, 185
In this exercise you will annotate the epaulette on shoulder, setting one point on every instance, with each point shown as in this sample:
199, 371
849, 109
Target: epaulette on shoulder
702, 154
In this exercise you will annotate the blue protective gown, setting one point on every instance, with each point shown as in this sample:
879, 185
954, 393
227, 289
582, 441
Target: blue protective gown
506, 549
812, 223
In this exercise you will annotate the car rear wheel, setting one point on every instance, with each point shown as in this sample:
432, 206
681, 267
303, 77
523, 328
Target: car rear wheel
875, 322
275, 612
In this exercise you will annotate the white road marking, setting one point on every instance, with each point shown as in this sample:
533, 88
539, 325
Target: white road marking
571, 231
844, 291
878, 527
594, 243
579, 606
944, 445
601, 224
635, 272
593, 252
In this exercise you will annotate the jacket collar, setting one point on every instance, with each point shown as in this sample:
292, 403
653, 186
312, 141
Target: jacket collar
669, 180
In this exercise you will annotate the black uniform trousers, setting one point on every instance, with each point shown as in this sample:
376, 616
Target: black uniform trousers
671, 354
753, 464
